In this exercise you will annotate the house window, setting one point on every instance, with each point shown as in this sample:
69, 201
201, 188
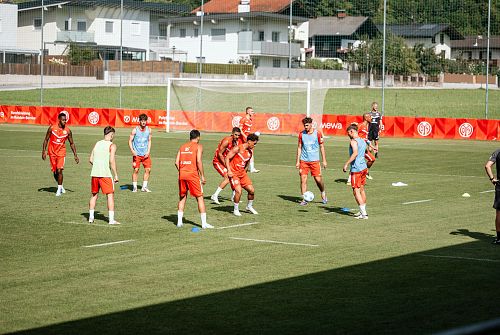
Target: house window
66, 25
441, 38
433, 40
163, 30
81, 26
136, 28
276, 36
276, 62
37, 23
261, 36
182, 32
109, 26
195, 32
255, 62
218, 34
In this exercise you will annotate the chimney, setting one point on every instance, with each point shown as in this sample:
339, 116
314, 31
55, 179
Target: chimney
341, 13
244, 6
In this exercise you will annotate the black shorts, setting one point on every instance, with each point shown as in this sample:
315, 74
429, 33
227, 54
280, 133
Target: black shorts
373, 132
496, 203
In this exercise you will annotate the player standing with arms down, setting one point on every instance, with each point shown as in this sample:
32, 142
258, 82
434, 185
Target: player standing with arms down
363, 132
140, 146
102, 158
55, 138
191, 176
308, 149
375, 125
359, 169
246, 124
495, 159
236, 162
225, 145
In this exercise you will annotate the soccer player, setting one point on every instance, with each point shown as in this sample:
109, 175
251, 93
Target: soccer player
375, 125
359, 169
225, 145
363, 131
246, 123
191, 176
102, 158
308, 149
140, 145
236, 162
55, 138
495, 159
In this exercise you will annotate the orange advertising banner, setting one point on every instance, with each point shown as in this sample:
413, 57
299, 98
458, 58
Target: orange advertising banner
266, 123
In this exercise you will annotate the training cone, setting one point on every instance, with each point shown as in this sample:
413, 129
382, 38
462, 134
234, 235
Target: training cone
466, 195
195, 229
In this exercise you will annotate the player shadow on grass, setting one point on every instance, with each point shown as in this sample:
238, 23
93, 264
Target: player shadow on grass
473, 234
290, 198
173, 219
97, 216
128, 187
341, 180
227, 209
337, 210
51, 189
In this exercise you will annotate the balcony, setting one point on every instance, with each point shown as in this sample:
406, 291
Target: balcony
158, 42
247, 46
75, 36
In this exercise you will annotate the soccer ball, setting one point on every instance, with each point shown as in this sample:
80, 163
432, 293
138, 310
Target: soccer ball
308, 196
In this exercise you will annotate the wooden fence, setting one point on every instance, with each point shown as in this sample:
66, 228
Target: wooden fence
52, 70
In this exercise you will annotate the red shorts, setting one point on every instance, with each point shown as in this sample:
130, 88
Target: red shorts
219, 167
104, 183
369, 157
192, 185
137, 160
240, 178
313, 167
57, 162
358, 179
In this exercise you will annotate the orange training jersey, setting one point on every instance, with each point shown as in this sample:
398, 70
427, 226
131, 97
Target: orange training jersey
363, 131
228, 148
57, 140
246, 126
241, 159
188, 166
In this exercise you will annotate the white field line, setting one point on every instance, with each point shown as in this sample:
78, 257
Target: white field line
106, 244
489, 191
416, 202
238, 225
277, 242
94, 224
465, 258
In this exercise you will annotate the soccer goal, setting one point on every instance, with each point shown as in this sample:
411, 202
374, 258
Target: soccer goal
212, 104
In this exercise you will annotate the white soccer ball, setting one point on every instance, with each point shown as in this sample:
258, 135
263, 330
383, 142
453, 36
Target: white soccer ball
308, 196
257, 133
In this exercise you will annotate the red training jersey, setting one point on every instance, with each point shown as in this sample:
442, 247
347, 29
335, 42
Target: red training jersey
57, 140
241, 159
363, 131
231, 145
188, 165
246, 126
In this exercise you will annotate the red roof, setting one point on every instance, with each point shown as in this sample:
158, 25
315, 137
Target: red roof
231, 6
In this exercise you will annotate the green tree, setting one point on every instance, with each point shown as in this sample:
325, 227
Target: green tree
79, 55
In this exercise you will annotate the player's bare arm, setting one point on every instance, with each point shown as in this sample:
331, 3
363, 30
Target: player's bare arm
234, 151
354, 146
91, 158
45, 142
112, 161
149, 145
489, 172
130, 139
178, 160
323, 154
73, 146
223, 148
199, 163
299, 150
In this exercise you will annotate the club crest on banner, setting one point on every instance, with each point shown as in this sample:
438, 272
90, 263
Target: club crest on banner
93, 118
126, 119
235, 122
424, 128
273, 123
465, 130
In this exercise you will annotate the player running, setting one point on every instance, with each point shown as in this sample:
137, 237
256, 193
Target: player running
191, 176
246, 124
102, 158
140, 145
359, 169
225, 145
308, 149
375, 125
236, 162
56, 137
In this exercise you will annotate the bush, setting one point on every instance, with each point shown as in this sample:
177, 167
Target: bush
329, 64
219, 68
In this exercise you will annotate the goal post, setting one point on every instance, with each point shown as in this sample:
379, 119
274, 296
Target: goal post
213, 104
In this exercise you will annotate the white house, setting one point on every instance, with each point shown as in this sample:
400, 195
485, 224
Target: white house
92, 23
474, 48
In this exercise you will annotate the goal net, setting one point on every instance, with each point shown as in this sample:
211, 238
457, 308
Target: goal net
218, 104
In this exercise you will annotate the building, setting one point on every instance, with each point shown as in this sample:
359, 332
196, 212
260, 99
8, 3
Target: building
474, 48
94, 24
430, 35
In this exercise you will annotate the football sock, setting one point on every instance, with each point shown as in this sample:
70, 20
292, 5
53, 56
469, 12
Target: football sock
179, 217
59, 188
250, 203
145, 184
218, 191
237, 206
362, 209
252, 167
203, 218
323, 195
134, 185
91, 214
111, 216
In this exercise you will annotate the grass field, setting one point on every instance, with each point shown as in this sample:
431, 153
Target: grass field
411, 268
452, 103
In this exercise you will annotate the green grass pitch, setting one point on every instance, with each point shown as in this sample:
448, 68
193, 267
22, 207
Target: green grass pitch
410, 269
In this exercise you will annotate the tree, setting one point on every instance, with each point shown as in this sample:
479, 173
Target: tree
79, 55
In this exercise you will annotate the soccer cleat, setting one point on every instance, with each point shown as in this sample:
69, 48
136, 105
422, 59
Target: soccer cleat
369, 177
91, 220
114, 222
324, 201
303, 203
254, 171
58, 193
496, 241
145, 189
252, 210
237, 212
361, 217
215, 199
180, 224
207, 226
134, 190
63, 190
357, 214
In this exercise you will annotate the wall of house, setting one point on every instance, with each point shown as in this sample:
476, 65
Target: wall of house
8, 26
460, 53
427, 42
